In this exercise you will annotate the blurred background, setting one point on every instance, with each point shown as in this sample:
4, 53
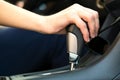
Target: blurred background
47, 7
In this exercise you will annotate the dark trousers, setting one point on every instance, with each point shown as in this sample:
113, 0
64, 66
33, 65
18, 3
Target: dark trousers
23, 51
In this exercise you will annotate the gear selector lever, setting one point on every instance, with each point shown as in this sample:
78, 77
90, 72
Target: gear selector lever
74, 45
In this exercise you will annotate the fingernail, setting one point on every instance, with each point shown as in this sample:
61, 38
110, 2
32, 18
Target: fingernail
88, 40
93, 36
96, 35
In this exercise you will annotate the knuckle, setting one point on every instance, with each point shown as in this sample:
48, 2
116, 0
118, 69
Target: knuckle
85, 33
96, 14
76, 5
84, 28
92, 30
90, 17
93, 15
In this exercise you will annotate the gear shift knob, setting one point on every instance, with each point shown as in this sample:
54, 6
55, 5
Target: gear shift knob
75, 44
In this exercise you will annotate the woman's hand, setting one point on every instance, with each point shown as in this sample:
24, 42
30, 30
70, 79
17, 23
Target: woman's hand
87, 20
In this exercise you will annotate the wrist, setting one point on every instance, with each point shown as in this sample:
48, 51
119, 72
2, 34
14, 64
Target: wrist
58, 21
45, 24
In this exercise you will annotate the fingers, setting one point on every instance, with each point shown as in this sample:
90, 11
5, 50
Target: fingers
87, 20
95, 21
91, 17
83, 28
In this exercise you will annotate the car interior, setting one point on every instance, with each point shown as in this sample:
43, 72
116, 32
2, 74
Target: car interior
96, 60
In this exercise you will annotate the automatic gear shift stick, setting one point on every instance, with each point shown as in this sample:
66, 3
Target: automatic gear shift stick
74, 45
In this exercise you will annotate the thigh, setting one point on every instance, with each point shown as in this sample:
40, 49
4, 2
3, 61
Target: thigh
24, 51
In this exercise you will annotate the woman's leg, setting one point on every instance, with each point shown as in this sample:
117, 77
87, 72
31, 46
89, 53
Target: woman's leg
24, 51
